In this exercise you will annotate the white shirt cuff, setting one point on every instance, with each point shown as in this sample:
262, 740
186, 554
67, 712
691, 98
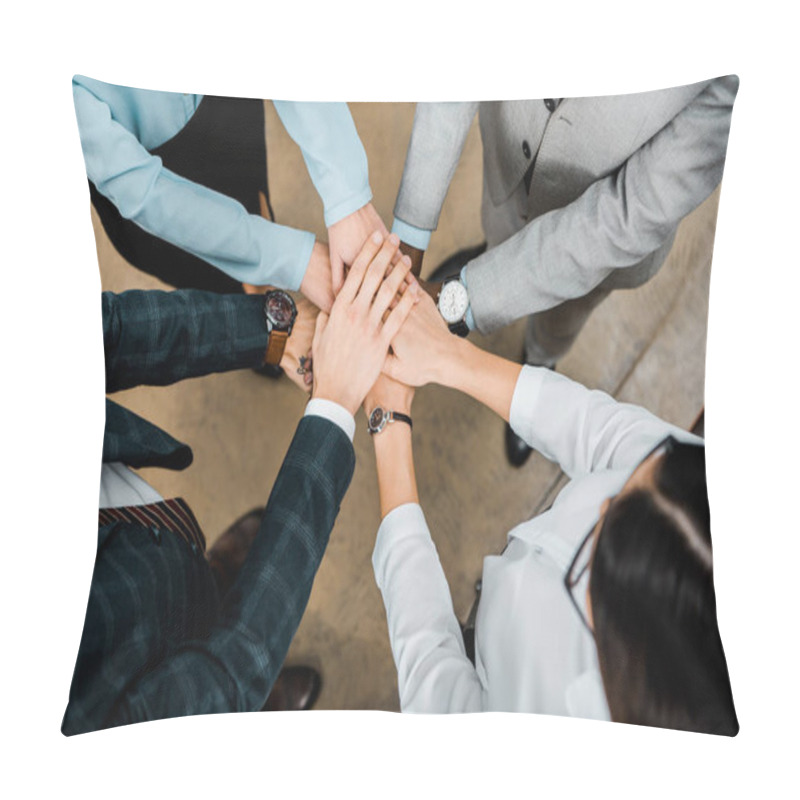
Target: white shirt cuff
318, 407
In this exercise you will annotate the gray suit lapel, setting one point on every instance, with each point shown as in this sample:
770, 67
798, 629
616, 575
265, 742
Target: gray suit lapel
588, 138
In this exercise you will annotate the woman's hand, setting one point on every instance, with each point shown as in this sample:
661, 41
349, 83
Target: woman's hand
390, 395
394, 457
424, 348
351, 344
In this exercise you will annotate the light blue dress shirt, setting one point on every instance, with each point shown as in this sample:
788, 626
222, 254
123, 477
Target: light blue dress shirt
118, 127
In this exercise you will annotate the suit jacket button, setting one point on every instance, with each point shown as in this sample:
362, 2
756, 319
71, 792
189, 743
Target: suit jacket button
526, 149
550, 104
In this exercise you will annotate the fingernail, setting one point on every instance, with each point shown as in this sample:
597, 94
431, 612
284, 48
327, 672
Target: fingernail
394, 238
376, 237
406, 260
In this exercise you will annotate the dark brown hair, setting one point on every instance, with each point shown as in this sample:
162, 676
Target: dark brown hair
654, 607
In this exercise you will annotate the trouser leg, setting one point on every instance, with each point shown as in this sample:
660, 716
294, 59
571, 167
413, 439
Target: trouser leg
223, 147
550, 334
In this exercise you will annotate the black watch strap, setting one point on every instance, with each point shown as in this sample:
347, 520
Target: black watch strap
459, 328
398, 417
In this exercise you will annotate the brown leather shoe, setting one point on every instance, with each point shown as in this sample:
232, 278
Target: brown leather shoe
296, 689
230, 551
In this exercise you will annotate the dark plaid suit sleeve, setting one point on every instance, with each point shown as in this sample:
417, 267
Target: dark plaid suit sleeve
158, 338
234, 669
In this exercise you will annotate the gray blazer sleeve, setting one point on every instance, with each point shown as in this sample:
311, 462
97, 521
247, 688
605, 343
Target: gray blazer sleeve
614, 224
437, 139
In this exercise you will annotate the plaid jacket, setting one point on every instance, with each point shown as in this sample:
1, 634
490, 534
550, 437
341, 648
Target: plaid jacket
157, 338
158, 641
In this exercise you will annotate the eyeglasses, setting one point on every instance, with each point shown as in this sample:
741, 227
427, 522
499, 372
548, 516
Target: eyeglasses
576, 580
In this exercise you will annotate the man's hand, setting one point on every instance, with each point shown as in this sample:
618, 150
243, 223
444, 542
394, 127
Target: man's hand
415, 254
316, 285
351, 344
298, 346
347, 237
433, 289
424, 348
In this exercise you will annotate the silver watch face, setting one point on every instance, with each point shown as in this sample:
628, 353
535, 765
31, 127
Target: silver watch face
453, 302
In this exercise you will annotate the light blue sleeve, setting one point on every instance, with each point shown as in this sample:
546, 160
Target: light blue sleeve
334, 155
416, 237
205, 223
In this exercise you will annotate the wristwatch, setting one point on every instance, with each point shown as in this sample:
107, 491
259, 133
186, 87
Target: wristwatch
380, 418
280, 313
453, 303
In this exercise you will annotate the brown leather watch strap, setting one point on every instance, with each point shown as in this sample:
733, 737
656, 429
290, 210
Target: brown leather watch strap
277, 344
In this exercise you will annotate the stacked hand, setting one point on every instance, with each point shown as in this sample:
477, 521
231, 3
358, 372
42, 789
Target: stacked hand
316, 285
351, 344
347, 237
423, 348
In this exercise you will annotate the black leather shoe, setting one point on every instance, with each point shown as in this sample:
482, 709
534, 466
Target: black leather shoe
230, 550
517, 451
296, 689
269, 370
455, 263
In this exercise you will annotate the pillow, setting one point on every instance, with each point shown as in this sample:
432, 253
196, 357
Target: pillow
572, 235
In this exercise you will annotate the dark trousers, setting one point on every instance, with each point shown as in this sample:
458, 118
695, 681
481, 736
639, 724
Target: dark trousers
223, 147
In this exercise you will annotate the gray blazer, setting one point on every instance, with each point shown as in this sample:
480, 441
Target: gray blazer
611, 180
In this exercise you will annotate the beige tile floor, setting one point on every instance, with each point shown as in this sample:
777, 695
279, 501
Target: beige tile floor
645, 346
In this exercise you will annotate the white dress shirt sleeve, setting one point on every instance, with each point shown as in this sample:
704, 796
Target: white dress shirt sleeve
584, 430
434, 674
318, 407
